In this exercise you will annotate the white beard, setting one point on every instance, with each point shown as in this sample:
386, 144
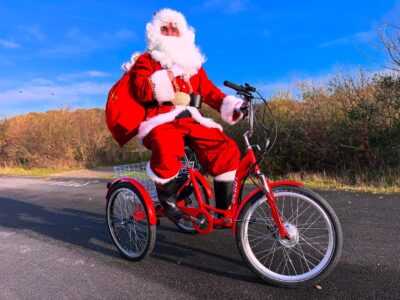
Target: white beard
170, 50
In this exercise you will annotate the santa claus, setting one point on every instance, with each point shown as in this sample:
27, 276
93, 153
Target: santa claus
162, 79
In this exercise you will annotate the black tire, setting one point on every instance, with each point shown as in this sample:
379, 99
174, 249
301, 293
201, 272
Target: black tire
304, 260
134, 239
186, 226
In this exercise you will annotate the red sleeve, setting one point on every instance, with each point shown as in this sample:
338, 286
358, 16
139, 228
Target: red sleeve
141, 86
209, 92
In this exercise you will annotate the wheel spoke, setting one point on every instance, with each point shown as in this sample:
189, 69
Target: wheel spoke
130, 236
302, 256
262, 240
311, 245
290, 260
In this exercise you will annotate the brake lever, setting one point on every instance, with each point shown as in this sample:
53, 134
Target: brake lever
246, 94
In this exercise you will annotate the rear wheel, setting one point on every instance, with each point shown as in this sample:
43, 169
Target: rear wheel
314, 246
128, 222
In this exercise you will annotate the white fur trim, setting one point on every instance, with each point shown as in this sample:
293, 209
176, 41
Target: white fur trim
224, 177
169, 50
129, 64
148, 125
166, 16
164, 90
157, 179
228, 108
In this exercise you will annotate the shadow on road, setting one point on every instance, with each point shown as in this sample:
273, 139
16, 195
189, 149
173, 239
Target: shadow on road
81, 228
89, 231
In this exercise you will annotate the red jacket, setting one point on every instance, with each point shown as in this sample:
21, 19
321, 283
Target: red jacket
151, 86
145, 66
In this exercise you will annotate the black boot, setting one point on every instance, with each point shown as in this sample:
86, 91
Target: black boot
223, 194
167, 195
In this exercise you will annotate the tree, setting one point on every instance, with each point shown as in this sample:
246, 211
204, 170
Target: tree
390, 37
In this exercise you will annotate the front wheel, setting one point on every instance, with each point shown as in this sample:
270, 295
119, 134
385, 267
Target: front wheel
128, 222
314, 246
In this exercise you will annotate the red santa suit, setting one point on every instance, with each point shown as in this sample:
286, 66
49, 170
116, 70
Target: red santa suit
168, 127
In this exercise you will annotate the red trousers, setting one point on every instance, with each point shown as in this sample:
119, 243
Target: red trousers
216, 152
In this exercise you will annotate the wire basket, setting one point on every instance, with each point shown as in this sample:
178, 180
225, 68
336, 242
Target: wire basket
138, 172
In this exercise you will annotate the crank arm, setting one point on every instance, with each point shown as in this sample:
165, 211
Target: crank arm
197, 221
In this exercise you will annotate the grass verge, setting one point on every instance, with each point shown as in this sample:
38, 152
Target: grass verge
29, 172
384, 185
313, 181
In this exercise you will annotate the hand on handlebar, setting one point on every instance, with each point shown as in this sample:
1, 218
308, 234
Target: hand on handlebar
243, 108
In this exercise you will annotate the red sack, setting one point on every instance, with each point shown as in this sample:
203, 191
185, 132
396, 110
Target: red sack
123, 112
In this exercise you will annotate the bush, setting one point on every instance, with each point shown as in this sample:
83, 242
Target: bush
62, 138
349, 127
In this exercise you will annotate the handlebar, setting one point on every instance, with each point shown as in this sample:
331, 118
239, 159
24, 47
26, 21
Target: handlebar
245, 90
232, 85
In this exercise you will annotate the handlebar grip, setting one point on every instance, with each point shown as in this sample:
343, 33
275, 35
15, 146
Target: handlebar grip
233, 86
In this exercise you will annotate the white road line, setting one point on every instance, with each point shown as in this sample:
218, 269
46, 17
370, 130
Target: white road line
71, 183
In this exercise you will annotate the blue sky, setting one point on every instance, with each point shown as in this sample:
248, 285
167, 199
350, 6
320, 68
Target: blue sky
56, 54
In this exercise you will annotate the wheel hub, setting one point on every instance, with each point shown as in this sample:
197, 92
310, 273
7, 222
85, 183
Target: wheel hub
126, 221
293, 238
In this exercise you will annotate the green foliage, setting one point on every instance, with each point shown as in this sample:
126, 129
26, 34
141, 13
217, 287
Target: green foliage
349, 127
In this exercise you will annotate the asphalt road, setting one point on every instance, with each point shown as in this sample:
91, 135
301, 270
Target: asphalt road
54, 244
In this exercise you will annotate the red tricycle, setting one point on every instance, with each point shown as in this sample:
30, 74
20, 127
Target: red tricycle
288, 235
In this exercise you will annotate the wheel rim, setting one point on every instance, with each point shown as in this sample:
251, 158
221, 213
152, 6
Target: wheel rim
130, 235
309, 249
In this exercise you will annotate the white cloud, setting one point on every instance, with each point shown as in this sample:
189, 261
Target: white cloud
9, 44
5, 61
293, 82
94, 73
126, 34
42, 81
35, 31
85, 74
79, 44
362, 37
73, 33
46, 92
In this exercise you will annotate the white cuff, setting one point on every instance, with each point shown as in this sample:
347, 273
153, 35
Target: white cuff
228, 108
157, 179
163, 88
227, 176
238, 106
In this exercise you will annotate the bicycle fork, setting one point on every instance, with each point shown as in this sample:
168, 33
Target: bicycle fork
271, 202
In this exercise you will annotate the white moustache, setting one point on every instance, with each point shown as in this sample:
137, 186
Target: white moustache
170, 50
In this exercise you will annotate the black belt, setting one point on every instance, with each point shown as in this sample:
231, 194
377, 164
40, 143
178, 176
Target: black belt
183, 114
154, 103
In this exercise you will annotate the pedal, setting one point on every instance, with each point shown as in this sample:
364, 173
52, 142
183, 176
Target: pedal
200, 223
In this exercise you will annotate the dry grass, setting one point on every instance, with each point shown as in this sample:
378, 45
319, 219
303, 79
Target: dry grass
29, 172
321, 181
312, 181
